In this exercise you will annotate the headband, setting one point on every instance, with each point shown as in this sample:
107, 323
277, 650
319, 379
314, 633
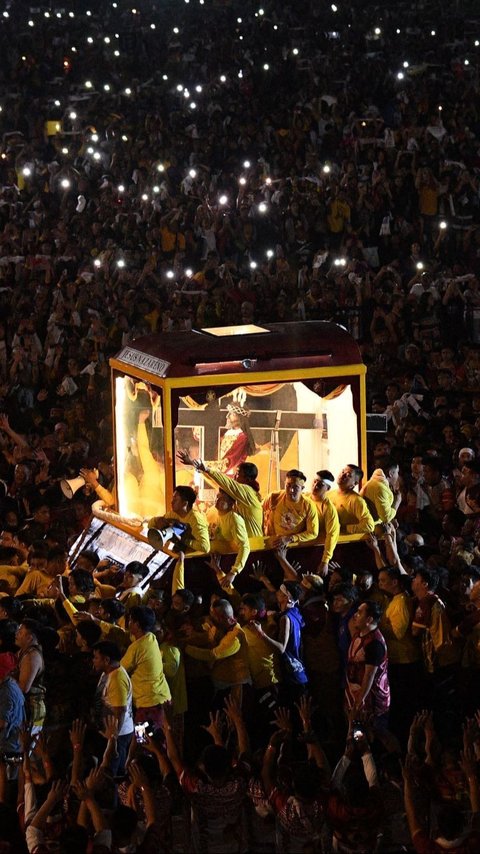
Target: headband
327, 482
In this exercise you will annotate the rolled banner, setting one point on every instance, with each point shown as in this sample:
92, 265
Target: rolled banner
100, 512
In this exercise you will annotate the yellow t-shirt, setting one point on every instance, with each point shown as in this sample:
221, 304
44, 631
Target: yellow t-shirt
262, 660
247, 500
231, 536
428, 200
228, 657
117, 689
328, 526
13, 575
143, 663
395, 626
295, 519
353, 512
338, 216
115, 634
35, 584
199, 540
174, 669
380, 499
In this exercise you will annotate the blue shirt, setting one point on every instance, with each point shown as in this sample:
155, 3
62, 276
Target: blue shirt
12, 714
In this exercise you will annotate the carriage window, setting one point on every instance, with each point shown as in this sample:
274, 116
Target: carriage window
140, 448
277, 426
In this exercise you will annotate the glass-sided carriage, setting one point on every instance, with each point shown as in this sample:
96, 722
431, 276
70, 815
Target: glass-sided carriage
285, 395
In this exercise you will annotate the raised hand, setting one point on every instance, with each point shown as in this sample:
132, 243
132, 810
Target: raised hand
95, 779
214, 728
233, 710
258, 570
214, 563
372, 542
468, 764
77, 733
137, 775
304, 707
184, 457
282, 719
281, 551
110, 728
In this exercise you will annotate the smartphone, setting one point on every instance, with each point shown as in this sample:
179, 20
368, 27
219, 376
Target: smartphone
142, 730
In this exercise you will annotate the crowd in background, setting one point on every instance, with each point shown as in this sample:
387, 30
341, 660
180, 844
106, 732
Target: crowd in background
175, 166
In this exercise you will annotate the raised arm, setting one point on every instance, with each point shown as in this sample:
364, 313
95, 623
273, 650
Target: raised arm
234, 714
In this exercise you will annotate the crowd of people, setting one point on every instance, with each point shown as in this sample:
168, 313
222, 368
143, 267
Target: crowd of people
183, 165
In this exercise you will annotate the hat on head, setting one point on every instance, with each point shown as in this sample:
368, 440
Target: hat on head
237, 410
